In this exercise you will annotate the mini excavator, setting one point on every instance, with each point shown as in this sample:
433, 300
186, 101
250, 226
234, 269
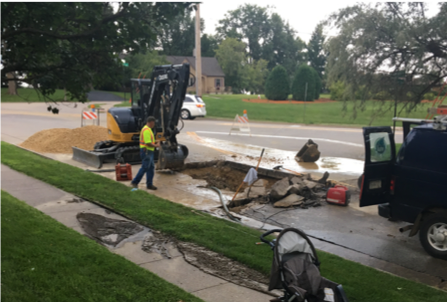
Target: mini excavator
162, 97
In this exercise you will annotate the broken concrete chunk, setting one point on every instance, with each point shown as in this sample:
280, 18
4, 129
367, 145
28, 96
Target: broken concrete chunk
260, 183
289, 201
296, 180
310, 184
321, 194
309, 203
295, 189
254, 192
324, 178
309, 153
280, 189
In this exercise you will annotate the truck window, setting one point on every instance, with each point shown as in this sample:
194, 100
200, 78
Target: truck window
380, 147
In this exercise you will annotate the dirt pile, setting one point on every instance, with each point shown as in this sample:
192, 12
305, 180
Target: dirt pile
60, 140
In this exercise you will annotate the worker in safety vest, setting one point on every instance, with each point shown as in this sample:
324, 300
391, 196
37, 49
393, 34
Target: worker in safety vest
147, 147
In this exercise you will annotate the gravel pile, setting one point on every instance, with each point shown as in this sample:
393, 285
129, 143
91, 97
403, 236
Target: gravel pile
60, 140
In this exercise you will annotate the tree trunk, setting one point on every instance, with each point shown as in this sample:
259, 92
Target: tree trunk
12, 85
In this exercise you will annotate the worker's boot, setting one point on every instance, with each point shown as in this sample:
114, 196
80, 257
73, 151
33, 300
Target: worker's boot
151, 187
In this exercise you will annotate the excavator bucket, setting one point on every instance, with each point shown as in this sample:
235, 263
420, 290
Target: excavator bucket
309, 153
92, 158
171, 159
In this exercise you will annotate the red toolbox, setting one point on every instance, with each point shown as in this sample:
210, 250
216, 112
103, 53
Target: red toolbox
123, 172
338, 195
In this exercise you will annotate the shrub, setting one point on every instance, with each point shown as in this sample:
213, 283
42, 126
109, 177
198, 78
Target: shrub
304, 75
337, 90
317, 84
382, 96
429, 96
277, 84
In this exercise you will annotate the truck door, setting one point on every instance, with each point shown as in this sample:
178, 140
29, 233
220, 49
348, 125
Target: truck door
380, 155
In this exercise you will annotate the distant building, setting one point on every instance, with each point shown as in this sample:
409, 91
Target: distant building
213, 78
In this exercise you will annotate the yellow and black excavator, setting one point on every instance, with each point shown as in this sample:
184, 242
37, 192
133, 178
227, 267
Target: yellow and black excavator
160, 96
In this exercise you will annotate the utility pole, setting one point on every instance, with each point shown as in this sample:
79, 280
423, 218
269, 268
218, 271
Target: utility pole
198, 54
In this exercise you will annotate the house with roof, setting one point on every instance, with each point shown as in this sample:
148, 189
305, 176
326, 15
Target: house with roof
213, 78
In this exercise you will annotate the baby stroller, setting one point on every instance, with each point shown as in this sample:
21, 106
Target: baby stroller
295, 270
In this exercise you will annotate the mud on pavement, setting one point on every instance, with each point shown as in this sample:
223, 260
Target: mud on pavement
209, 262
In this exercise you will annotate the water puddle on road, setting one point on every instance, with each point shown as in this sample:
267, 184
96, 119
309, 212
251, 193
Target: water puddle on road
340, 168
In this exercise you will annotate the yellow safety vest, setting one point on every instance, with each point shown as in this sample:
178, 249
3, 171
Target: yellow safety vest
146, 137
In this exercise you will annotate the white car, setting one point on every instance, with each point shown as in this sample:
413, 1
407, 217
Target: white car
193, 107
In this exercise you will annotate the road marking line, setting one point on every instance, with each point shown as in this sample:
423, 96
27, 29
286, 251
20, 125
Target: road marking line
302, 127
286, 137
198, 139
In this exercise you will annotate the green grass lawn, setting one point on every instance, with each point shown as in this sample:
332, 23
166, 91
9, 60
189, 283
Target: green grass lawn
29, 95
43, 260
227, 106
232, 240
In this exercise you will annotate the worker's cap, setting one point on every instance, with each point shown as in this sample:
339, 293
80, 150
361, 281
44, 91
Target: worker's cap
150, 119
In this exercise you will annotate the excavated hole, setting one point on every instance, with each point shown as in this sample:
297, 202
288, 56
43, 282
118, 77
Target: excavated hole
221, 175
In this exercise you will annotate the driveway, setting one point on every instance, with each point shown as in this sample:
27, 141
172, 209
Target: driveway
103, 96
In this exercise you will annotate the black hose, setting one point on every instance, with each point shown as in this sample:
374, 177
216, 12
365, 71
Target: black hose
223, 203
183, 124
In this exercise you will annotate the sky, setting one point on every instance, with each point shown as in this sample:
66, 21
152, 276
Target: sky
303, 16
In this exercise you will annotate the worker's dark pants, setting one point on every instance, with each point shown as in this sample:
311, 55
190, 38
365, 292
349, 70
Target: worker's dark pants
147, 166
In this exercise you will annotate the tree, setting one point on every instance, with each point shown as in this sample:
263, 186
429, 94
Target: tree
315, 50
268, 37
282, 46
141, 65
208, 45
75, 45
250, 22
277, 84
304, 76
255, 74
177, 38
231, 56
391, 48
317, 91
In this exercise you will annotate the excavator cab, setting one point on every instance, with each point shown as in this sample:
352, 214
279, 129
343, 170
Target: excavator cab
160, 96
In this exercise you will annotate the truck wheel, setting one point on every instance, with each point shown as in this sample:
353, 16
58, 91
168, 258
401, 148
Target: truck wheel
433, 235
185, 114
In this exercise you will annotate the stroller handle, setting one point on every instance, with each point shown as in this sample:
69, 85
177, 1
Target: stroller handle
268, 233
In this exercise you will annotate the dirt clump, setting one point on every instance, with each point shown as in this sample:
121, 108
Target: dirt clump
60, 140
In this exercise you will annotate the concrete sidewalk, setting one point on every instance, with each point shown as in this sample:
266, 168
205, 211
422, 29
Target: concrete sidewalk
58, 205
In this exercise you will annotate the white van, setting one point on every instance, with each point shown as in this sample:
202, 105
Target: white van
193, 106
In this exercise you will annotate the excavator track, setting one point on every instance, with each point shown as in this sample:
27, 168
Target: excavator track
128, 154
103, 145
